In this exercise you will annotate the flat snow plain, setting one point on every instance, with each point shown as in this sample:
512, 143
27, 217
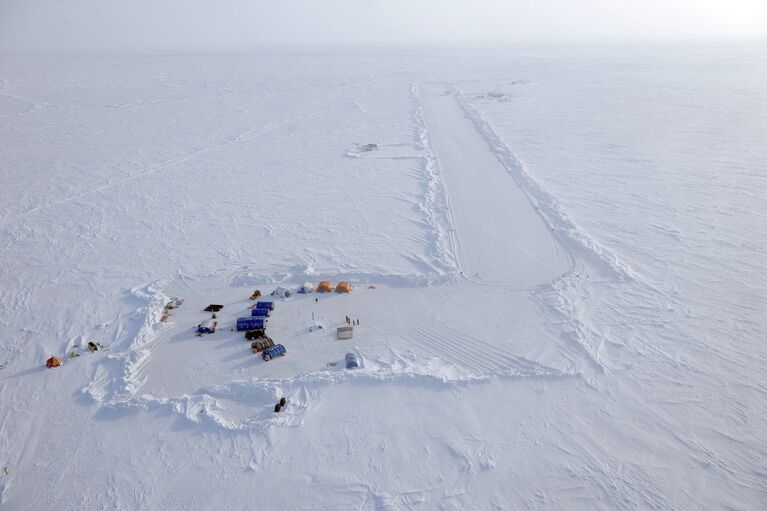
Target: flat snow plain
567, 255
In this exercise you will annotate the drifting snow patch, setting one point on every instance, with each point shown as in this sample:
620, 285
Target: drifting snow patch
120, 375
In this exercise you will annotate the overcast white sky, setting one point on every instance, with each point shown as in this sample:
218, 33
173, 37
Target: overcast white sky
161, 25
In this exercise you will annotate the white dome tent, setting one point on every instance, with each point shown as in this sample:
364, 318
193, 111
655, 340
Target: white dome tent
282, 292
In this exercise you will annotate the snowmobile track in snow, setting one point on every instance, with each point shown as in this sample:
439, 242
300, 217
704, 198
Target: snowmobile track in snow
476, 356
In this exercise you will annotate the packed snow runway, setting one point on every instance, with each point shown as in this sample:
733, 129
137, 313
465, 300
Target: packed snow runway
560, 307
501, 238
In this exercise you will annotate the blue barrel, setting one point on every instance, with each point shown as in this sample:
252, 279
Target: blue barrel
250, 324
265, 305
260, 313
275, 351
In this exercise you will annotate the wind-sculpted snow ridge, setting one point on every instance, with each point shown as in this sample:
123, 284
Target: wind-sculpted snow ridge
254, 277
119, 375
247, 405
567, 300
435, 205
563, 227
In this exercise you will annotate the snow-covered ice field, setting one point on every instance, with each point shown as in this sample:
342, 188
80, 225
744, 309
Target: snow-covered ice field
558, 259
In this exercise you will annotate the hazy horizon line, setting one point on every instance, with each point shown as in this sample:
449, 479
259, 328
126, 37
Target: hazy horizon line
432, 45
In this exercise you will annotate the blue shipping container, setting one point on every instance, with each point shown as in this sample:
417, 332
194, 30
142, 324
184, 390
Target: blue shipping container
275, 351
260, 313
265, 305
249, 324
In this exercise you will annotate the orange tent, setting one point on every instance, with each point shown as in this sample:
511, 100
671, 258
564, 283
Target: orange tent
325, 287
53, 362
343, 287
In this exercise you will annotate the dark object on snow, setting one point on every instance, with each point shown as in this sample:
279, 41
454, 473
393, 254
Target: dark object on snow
52, 362
260, 313
92, 346
250, 324
261, 344
265, 305
207, 327
351, 361
275, 351
213, 307
277, 408
255, 334
256, 295
283, 401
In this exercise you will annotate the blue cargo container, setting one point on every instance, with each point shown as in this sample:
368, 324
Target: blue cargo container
351, 361
277, 350
265, 305
250, 324
260, 313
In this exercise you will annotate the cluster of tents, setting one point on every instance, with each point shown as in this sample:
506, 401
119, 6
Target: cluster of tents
327, 287
91, 346
324, 287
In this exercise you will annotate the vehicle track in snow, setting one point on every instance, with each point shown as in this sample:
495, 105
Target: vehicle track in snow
476, 356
